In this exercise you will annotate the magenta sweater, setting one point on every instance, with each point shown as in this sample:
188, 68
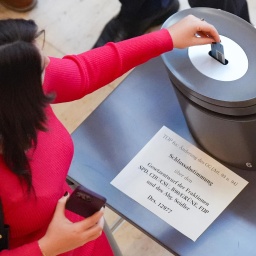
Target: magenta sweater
70, 78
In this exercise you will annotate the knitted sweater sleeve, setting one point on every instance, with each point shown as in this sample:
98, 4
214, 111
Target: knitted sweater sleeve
25, 250
74, 76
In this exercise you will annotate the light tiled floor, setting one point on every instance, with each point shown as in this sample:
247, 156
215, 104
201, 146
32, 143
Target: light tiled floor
72, 26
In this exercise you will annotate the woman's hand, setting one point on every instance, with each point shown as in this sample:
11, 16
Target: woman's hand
63, 235
191, 31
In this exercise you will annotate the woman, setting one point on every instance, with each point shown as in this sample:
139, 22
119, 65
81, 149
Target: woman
36, 150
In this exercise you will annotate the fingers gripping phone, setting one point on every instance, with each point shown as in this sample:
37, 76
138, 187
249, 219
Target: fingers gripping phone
85, 202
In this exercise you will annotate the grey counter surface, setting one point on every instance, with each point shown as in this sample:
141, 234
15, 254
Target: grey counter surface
119, 128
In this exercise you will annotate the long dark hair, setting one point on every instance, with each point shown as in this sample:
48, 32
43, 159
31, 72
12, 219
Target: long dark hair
22, 100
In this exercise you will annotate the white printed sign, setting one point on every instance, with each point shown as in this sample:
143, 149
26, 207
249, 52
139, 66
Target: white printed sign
179, 183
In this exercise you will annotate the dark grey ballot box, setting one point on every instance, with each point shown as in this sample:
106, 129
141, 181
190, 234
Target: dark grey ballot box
119, 128
219, 100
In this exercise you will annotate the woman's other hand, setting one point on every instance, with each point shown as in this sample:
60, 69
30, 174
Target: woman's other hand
191, 31
62, 235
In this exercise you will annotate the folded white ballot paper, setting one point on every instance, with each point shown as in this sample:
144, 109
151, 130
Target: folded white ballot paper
179, 183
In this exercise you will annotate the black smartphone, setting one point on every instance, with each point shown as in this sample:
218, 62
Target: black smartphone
85, 202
